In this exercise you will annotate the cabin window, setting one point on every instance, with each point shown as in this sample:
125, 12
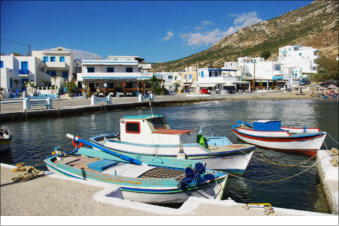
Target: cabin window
157, 123
132, 127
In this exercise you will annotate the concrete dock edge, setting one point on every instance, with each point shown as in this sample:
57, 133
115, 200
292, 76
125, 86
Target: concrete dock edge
328, 175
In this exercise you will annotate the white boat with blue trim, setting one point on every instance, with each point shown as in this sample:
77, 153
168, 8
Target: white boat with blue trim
271, 135
146, 179
150, 135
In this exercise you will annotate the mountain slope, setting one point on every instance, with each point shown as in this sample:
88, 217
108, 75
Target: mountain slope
314, 25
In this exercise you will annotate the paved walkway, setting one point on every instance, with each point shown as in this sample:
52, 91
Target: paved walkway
16, 105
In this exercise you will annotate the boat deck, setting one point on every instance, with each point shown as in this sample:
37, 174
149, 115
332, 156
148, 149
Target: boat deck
122, 169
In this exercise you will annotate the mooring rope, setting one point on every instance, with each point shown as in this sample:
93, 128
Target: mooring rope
263, 159
274, 181
332, 138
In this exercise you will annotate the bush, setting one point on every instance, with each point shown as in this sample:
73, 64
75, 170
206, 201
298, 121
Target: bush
70, 88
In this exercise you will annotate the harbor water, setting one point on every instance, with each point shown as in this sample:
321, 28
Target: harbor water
35, 140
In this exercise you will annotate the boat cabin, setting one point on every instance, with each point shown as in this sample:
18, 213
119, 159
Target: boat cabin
267, 125
153, 129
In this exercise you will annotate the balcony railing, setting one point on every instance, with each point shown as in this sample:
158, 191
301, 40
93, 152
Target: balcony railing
23, 72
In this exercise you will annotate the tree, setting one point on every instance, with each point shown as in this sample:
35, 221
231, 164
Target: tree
71, 88
265, 54
155, 85
327, 69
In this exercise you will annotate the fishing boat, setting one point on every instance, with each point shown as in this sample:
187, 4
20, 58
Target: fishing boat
5, 139
139, 181
150, 135
271, 135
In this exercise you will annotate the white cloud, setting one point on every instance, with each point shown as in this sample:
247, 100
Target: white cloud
205, 23
211, 37
169, 35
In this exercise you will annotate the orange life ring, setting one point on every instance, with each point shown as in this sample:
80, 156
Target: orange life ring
75, 144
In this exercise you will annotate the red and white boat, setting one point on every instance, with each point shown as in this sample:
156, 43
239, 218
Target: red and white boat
271, 135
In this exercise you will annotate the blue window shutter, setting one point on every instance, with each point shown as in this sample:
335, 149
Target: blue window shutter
1, 64
202, 74
10, 83
45, 59
62, 59
52, 59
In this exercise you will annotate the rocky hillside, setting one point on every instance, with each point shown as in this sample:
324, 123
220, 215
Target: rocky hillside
314, 25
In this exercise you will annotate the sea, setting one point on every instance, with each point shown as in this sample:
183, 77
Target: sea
263, 181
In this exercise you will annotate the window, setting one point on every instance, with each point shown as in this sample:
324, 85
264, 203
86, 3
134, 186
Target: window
110, 69
190, 76
202, 74
52, 73
158, 123
52, 59
129, 69
65, 74
45, 59
170, 77
1, 64
90, 69
132, 127
62, 59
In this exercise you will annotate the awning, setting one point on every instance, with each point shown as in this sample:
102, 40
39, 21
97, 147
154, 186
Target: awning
228, 84
205, 85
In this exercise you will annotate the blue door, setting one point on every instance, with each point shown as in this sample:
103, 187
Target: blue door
24, 67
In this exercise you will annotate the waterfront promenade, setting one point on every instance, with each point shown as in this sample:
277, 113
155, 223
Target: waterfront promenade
12, 109
56, 195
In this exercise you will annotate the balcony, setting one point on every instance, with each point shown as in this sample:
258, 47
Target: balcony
56, 64
23, 72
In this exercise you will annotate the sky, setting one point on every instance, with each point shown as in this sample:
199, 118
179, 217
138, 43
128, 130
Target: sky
158, 31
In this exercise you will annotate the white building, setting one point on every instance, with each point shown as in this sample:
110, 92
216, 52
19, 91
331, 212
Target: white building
171, 80
114, 74
298, 60
17, 70
57, 63
223, 80
267, 74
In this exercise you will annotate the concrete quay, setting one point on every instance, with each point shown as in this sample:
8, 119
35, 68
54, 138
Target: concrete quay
57, 195
328, 174
12, 110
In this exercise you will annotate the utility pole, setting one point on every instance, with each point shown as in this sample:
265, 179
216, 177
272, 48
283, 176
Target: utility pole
29, 46
253, 84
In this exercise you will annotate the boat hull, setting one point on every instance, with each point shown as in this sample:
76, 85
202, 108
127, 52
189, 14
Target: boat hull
5, 145
145, 194
308, 145
229, 161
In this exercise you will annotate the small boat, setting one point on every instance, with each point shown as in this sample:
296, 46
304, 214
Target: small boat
145, 182
150, 135
5, 140
271, 135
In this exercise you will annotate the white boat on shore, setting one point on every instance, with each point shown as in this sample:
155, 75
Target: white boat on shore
150, 135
